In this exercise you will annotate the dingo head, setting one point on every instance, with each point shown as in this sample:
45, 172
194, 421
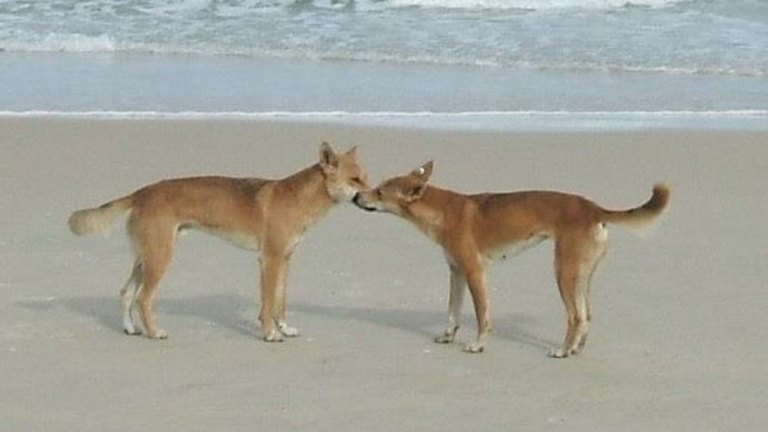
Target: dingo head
396, 193
344, 178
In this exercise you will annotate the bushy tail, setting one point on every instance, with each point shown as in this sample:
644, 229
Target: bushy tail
99, 219
643, 216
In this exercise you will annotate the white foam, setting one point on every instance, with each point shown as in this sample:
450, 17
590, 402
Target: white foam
532, 4
484, 4
468, 120
64, 42
175, 6
377, 5
723, 40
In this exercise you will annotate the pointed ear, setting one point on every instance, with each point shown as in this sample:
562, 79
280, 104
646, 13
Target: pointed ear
352, 152
423, 172
329, 160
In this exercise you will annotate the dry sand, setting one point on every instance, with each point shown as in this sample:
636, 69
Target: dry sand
678, 341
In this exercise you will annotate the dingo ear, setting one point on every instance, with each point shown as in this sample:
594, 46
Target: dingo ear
416, 192
352, 152
329, 160
423, 172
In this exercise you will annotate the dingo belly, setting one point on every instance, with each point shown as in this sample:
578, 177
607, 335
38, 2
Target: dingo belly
512, 249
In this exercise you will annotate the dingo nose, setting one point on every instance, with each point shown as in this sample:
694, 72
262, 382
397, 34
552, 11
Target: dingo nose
356, 201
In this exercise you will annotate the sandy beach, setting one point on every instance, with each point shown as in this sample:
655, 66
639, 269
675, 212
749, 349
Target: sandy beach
676, 343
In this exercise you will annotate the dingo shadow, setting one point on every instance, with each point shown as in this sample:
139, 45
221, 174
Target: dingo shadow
238, 313
430, 323
227, 310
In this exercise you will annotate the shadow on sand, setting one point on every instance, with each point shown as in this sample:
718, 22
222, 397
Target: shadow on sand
233, 312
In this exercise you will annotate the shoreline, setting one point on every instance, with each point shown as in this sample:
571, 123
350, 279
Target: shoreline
496, 121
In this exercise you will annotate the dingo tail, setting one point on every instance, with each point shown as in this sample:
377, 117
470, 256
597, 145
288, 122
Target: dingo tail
641, 217
99, 219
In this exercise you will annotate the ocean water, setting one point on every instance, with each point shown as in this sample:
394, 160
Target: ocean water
399, 57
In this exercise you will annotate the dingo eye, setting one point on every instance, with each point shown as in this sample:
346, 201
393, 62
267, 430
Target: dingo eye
357, 180
378, 193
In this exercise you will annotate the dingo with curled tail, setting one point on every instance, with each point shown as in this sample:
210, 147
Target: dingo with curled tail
474, 230
267, 216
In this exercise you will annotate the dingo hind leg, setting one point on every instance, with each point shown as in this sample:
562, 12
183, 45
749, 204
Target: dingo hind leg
576, 257
128, 298
596, 255
154, 241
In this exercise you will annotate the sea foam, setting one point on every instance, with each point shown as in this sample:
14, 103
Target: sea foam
532, 4
754, 120
64, 42
712, 37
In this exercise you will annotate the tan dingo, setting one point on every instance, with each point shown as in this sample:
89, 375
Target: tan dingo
474, 230
269, 216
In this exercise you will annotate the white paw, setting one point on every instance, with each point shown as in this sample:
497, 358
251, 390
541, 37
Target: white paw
474, 347
131, 331
288, 331
129, 328
158, 334
448, 335
273, 336
560, 353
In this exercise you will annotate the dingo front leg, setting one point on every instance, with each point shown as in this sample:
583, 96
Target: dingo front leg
458, 287
476, 281
271, 269
280, 321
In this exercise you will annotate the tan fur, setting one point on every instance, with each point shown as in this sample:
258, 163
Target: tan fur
474, 230
269, 216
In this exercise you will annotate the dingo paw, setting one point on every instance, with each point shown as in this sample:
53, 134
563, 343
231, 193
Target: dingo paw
273, 336
158, 334
474, 348
561, 353
289, 331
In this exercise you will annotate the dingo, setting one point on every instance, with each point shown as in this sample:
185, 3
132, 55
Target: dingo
475, 230
269, 216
